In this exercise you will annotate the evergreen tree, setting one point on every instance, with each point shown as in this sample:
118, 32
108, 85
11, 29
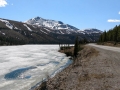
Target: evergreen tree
76, 47
115, 33
104, 37
118, 38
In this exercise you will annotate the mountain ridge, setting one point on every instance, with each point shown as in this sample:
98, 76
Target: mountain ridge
14, 31
50, 23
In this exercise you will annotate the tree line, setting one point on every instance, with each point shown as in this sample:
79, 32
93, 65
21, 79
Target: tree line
111, 35
10, 41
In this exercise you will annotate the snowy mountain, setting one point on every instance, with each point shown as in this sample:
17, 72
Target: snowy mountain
59, 27
90, 31
56, 25
42, 31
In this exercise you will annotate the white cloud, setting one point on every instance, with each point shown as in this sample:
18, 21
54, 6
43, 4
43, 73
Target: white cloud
3, 3
119, 12
113, 20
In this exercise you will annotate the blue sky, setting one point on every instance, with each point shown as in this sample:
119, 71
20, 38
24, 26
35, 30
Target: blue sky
100, 14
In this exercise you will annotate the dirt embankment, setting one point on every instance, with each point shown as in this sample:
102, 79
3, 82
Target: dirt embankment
94, 69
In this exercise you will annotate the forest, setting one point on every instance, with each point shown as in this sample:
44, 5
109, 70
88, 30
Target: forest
112, 35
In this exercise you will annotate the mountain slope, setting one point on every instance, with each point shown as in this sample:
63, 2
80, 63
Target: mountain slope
50, 23
14, 32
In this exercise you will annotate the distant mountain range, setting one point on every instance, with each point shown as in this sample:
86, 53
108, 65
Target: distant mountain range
42, 31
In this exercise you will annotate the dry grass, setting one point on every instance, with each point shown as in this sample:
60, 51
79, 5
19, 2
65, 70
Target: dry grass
98, 76
111, 44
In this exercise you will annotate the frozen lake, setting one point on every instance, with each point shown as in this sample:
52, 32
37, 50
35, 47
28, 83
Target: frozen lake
22, 67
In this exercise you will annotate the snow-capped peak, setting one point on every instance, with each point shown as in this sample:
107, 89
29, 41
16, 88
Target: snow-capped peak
56, 25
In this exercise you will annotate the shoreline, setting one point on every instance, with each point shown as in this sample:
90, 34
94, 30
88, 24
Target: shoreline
72, 65
42, 84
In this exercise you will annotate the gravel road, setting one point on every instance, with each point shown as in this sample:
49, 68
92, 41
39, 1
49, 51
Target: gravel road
116, 49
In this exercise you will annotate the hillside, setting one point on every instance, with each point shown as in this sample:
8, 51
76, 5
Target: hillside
42, 31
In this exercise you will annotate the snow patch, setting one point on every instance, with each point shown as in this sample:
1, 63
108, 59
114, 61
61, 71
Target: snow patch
62, 28
34, 26
24, 33
61, 32
47, 29
27, 27
3, 33
7, 23
15, 28
43, 31
68, 32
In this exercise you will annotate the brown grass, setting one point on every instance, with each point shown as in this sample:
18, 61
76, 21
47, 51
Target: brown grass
68, 50
110, 44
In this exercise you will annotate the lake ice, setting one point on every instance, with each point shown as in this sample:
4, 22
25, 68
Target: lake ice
22, 67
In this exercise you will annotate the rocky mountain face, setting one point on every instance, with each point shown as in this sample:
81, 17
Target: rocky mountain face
42, 31
56, 25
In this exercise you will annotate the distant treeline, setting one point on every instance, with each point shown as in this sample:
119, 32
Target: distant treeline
112, 35
10, 41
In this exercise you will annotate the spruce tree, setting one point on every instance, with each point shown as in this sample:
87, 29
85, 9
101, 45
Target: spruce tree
118, 38
105, 36
76, 47
115, 33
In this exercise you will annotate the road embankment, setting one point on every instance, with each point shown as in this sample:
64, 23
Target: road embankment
95, 68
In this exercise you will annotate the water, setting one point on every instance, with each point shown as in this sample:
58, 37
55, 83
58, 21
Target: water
23, 67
